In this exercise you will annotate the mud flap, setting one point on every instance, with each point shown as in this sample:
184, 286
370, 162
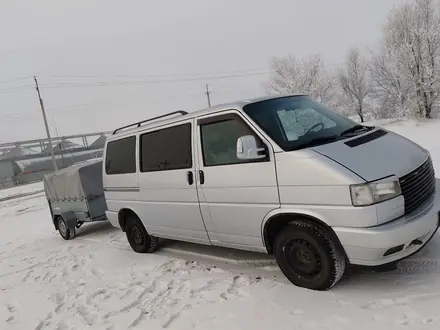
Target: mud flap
70, 219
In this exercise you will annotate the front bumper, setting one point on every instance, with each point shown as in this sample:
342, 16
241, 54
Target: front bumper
394, 240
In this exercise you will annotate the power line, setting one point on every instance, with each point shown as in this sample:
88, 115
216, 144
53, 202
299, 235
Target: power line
123, 83
54, 113
159, 74
19, 115
14, 79
146, 82
120, 81
75, 106
72, 109
112, 83
16, 88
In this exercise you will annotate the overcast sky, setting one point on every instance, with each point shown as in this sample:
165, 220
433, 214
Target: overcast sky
156, 51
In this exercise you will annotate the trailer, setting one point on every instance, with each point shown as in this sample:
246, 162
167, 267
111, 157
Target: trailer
75, 195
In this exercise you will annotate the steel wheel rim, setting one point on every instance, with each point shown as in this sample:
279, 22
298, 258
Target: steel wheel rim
138, 237
62, 227
303, 258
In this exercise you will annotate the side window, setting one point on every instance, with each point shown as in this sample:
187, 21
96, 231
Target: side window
121, 156
166, 149
219, 140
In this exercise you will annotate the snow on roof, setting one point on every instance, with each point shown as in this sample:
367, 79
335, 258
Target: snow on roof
18, 151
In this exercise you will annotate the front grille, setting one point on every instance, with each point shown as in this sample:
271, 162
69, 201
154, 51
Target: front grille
418, 185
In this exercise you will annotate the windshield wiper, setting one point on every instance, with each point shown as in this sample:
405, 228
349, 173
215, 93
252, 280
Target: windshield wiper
354, 129
318, 141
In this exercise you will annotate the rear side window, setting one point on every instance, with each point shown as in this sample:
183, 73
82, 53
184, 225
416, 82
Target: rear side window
166, 149
121, 156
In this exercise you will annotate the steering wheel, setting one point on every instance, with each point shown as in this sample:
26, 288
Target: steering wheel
320, 124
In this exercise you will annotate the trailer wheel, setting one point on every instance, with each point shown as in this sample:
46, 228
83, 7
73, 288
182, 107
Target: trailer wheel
65, 232
138, 237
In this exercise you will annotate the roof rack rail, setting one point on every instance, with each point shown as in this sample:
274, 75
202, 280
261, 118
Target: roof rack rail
138, 124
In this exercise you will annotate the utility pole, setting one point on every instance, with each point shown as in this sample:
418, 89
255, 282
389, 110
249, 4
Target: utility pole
208, 95
61, 141
55, 167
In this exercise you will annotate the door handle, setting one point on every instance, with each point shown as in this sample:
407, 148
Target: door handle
201, 177
190, 178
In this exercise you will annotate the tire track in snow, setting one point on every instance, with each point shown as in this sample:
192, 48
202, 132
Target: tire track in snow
173, 289
168, 295
86, 298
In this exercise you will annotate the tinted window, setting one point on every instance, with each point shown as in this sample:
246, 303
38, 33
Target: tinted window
219, 141
166, 149
120, 156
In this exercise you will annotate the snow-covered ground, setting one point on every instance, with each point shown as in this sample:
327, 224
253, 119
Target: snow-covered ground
95, 281
21, 190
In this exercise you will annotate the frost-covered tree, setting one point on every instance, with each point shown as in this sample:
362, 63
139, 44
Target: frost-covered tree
307, 76
390, 88
354, 83
406, 71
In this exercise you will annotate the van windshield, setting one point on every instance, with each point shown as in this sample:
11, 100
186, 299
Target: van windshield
297, 122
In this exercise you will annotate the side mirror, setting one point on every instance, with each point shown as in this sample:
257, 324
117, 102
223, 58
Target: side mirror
247, 148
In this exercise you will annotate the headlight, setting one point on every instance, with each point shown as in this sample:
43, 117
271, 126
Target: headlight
371, 193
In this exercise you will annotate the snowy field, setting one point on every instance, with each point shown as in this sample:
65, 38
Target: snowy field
26, 189
95, 281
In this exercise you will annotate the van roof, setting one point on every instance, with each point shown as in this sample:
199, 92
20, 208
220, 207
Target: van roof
225, 106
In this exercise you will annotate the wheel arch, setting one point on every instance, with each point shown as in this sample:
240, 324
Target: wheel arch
123, 215
69, 217
275, 223
55, 220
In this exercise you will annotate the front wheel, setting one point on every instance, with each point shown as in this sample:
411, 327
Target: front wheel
308, 257
65, 232
138, 237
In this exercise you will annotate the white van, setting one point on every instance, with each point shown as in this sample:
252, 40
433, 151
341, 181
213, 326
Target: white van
282, 175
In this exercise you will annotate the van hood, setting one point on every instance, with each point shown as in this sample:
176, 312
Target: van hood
389, 154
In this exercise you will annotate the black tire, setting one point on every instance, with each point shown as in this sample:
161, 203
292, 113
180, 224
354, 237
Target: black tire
65, 232
138, 237
308, 257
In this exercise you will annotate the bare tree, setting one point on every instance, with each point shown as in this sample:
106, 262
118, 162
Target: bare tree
428, 15
389, 85
307, 76
406, 72
353, 80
